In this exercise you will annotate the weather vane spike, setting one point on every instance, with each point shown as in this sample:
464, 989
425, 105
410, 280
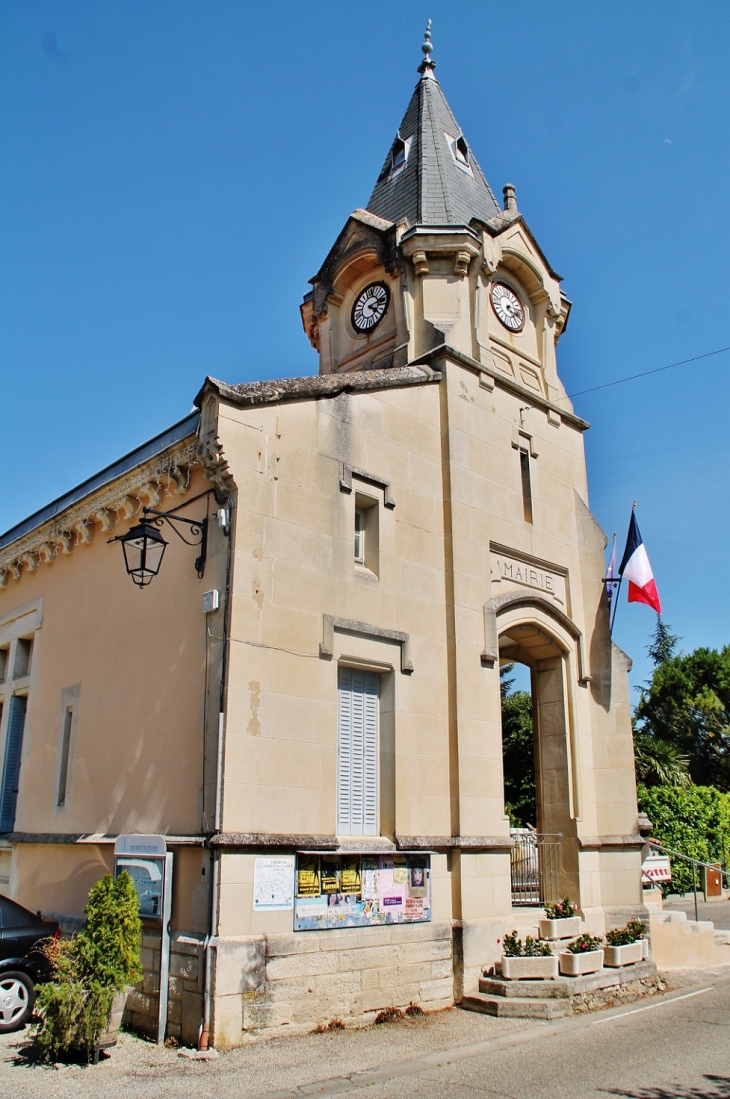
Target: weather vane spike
427, 65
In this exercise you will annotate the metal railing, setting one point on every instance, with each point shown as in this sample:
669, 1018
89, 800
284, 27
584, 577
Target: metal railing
695, 864
534, 867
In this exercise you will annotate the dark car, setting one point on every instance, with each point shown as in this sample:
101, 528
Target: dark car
21, 965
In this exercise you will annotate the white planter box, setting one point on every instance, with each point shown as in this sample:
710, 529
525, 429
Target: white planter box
535, 969
627, 954
645, 945
560, 929
576, 965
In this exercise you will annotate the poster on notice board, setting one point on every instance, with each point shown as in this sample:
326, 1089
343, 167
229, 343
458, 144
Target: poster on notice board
273, 884
361, 890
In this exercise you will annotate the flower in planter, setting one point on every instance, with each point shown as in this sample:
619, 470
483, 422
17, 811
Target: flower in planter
512, 946
623, 936
584, 943
563, 910
533, 948
537, 948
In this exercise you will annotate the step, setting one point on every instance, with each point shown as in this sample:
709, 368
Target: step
516, 1008
691, 927
563, 988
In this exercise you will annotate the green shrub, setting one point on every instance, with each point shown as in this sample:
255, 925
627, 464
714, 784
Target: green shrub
563, 910
104, 958
622, 936
512, 946
695, 822
584, 943
537, 948
533, 948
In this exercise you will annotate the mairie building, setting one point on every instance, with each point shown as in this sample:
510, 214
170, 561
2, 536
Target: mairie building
304, 699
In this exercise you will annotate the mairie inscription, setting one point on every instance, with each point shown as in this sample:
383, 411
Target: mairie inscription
509, 571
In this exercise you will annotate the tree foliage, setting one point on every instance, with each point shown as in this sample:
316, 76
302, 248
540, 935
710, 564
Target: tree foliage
694, 821
104, 958
687, 704
518, 753
663, 645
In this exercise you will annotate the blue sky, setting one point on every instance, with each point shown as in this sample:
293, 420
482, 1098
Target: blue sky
164, 163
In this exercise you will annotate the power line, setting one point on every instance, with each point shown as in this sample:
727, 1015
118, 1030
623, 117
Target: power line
645, 373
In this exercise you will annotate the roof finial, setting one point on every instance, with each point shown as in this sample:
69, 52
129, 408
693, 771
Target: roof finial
427, 65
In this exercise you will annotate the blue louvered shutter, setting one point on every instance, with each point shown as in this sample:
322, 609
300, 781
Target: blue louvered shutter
11, 767
357, 752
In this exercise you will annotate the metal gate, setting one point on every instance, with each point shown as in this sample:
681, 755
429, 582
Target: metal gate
534, 866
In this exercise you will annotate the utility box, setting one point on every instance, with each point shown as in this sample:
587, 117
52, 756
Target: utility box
712, 881
149, 864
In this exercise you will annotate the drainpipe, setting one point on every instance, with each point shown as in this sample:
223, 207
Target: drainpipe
211, 938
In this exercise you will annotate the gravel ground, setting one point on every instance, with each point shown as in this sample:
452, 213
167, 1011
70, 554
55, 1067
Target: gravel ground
137, 1069
140, 1070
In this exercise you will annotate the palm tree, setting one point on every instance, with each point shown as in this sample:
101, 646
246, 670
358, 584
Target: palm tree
659, 763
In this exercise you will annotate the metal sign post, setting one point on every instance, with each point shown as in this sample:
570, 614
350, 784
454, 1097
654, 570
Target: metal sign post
149, 864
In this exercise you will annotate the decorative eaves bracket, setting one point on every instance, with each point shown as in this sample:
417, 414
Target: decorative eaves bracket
493, 607
349, 625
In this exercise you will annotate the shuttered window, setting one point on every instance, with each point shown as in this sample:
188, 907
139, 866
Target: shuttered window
357, 752
11, 767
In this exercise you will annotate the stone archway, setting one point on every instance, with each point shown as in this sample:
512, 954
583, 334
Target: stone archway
528, 636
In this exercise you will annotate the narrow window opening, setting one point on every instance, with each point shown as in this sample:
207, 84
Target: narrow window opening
65, 750
23, 653
359, 536
526, 486
461, 151
11, 764
3, 665
367, 535
398, 155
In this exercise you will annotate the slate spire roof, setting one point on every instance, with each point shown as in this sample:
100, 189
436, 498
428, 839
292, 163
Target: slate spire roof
431, 176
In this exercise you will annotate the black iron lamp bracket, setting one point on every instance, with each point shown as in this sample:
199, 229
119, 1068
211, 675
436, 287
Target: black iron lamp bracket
198, 529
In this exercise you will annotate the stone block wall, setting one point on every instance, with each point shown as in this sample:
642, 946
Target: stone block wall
185, 989
290, 983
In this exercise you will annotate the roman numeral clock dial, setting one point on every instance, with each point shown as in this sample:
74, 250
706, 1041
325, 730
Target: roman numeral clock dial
370, 307
508, 307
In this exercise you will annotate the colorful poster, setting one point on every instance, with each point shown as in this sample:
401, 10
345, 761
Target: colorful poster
400, 870
311, 908
308, 876
417, 885
370, 879
337, 891
414, 908
330, 871
350, 876
273, 884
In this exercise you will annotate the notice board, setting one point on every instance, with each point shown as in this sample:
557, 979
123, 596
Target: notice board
361, 890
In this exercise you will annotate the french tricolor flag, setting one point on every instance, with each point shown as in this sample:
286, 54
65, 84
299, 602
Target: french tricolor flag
636, 569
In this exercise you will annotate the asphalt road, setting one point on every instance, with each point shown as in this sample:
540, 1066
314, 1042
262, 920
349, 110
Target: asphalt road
672, 1047
717, 911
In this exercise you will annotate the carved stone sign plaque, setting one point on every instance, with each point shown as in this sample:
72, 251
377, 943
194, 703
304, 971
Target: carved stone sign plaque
511, 571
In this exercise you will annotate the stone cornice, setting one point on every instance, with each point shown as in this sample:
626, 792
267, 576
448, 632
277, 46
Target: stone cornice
166, 474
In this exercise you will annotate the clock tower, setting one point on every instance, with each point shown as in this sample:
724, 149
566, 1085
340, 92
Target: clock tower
434, 260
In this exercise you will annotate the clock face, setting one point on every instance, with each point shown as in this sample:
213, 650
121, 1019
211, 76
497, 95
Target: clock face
508, 307
370, 307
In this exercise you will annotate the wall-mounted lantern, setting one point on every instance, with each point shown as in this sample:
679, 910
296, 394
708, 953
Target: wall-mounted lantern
144, 546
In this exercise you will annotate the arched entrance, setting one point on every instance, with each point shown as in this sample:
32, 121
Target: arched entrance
545, 858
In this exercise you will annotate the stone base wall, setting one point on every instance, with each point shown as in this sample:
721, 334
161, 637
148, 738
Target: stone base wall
276, 984
185, 990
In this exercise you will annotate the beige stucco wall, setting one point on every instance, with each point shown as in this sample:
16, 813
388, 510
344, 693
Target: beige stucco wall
137, 661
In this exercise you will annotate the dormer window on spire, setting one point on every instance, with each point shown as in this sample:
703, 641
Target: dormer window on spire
397, 158
460, 152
